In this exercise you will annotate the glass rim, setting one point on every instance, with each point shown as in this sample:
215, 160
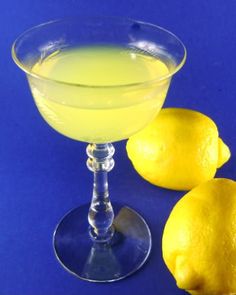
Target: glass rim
29, 72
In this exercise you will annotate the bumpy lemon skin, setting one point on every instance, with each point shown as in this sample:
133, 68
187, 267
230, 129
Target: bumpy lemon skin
179, 150
199, 239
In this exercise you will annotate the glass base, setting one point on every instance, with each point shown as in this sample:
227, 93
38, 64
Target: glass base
125, 253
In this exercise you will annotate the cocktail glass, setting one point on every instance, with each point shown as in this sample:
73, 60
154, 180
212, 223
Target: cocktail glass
99, 242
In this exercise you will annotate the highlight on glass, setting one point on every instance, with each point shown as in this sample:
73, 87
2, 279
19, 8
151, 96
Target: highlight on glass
99, 80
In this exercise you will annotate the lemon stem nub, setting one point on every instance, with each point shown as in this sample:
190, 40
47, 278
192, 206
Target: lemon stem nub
223, 153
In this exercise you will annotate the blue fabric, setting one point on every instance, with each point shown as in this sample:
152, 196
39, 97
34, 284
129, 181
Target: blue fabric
43, 174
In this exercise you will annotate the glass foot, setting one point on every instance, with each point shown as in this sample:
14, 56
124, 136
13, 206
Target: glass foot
127, 251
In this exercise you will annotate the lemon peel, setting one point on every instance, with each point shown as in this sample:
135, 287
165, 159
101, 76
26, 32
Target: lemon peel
179, 150
199, 244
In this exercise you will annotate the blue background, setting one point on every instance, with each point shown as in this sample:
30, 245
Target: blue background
43, 174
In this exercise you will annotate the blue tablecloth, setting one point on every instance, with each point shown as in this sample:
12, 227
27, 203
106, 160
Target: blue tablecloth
43, 174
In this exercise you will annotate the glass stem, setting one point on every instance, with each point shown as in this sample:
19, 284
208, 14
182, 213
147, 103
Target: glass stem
101, 213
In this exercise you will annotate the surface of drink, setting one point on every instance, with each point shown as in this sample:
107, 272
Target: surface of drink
99, 93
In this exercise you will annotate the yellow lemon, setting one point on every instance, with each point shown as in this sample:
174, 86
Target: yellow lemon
199, 240
179, 150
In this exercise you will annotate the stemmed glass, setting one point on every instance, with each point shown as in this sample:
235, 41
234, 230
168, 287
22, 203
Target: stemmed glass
99, 242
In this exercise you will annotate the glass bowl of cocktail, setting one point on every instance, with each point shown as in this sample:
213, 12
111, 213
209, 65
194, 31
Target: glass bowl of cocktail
99, 80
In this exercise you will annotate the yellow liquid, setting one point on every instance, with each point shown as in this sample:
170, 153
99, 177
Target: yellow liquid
82, 107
